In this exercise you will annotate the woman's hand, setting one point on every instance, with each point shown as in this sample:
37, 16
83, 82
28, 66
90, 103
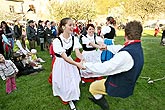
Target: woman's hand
80, 66
103, 47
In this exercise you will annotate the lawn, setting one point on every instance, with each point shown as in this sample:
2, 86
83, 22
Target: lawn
35, 93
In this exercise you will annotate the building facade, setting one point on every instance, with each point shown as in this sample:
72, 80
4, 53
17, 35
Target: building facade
24, 9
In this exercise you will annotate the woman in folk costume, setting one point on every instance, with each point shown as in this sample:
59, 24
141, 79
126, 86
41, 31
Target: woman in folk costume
65, 74
108, 33
91, 53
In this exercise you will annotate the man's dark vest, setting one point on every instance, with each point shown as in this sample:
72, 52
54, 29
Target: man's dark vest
122, 84
85, 47
111, 34
68, 51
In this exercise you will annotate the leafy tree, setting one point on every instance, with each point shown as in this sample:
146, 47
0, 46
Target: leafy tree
104, 6
16, 0
144, 9
76, 9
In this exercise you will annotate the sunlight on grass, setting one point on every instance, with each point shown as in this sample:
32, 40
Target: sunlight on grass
35, 93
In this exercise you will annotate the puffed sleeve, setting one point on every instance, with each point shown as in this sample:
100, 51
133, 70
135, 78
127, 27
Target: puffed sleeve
99, 39
76, 43
85, 40
105, 30
57, 47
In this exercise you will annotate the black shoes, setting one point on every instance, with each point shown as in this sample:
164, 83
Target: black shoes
101, 102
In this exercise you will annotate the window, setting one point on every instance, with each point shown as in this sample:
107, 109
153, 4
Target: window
11, 7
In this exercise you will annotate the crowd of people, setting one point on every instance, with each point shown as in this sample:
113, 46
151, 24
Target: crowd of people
14, 43
97, 57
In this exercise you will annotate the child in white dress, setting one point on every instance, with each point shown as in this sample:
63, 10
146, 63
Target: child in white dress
65, 74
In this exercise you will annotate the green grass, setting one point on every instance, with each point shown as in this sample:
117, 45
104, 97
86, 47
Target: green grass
35, 93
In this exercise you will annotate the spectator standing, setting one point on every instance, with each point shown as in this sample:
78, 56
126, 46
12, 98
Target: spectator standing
8, 32
8, 71
31, 34
53, 28
41, 34
49, 35
17, 30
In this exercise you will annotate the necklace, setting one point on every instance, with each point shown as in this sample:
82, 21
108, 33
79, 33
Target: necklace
66, 41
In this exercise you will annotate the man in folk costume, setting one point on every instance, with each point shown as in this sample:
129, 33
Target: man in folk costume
122, 70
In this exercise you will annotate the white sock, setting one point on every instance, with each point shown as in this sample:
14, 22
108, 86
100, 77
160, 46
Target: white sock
72, 106
98, 96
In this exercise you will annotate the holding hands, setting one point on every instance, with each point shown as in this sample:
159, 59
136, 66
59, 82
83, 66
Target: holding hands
80, 64
103, 47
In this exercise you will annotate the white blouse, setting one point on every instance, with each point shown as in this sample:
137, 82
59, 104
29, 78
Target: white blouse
106, 29
121, 61
67, 43
88, 39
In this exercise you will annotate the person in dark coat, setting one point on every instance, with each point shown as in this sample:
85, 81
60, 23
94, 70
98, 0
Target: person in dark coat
41, 34
49, 35
8, 32
31, 34
17, 29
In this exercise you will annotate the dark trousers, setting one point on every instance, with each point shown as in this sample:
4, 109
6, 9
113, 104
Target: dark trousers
32, 44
